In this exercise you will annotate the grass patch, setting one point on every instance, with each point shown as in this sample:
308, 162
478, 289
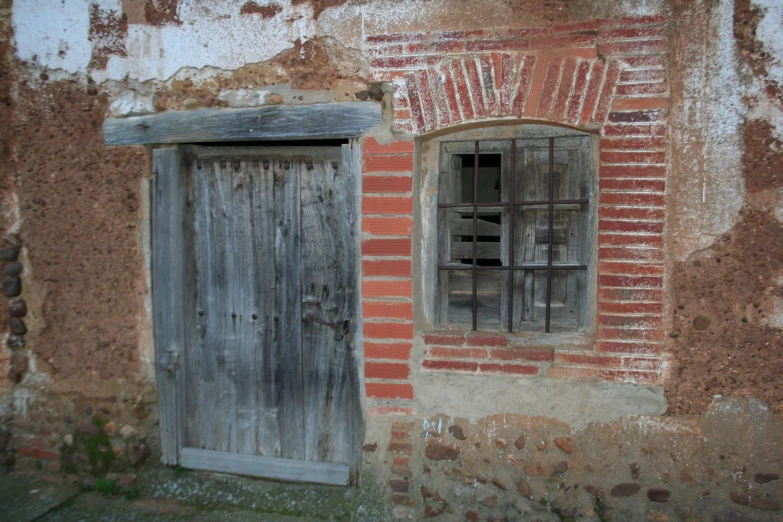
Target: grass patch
110, 489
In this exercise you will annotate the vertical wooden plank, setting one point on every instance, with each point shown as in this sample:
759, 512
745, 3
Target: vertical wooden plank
527, 247
168, 288
519, 236
214, 265
559, 252
288, 267
327, 308
224, 422
506, 217
192, 354
449, 191
242, 296
267, 357
349, 433
572, 219
201, 370
573, 290
586, 237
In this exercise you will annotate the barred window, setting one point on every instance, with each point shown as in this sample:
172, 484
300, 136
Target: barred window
513, 237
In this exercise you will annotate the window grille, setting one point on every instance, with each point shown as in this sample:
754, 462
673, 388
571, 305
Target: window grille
511, 227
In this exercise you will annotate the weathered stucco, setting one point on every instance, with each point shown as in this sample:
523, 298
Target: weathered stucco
707, 189
81, 210
226, 35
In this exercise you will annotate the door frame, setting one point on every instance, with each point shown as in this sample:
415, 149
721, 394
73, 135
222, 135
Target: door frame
170, 216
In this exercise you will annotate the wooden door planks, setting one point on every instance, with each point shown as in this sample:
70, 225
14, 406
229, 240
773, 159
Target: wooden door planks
243, 295
327, 310
289, 317
216, 424
269, 348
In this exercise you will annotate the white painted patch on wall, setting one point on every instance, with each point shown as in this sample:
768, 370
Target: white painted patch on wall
770, 34
22, 399
656, 425
226, 42
53, 33
131, 103
244, 97
764, 108
724, 188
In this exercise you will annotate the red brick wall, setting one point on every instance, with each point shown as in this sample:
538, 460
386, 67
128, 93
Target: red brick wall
604, 75
387, 304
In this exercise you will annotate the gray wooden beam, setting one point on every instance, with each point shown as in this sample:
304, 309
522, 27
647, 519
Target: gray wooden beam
276, 122
291, 470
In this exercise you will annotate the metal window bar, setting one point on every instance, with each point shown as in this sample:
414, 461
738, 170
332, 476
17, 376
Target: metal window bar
551, 233
475, 235
550, 203
512, 218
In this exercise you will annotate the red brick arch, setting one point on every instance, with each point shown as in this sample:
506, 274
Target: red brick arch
607, 76
553, 87
574, 73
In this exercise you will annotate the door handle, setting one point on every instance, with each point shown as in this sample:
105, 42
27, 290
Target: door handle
341, 328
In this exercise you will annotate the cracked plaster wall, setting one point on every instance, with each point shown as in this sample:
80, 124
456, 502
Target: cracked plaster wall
214, 54
208, 53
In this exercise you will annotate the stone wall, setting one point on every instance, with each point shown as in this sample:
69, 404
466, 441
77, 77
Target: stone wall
720, 466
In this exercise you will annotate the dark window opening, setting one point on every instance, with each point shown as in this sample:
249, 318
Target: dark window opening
488, 178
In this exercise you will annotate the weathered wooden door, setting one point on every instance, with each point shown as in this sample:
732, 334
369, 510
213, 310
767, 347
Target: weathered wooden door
268, 381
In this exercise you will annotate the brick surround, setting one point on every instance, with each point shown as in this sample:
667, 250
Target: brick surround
387, 230
606, 76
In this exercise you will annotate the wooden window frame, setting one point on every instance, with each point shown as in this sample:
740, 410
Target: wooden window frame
429, 166
513, 204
